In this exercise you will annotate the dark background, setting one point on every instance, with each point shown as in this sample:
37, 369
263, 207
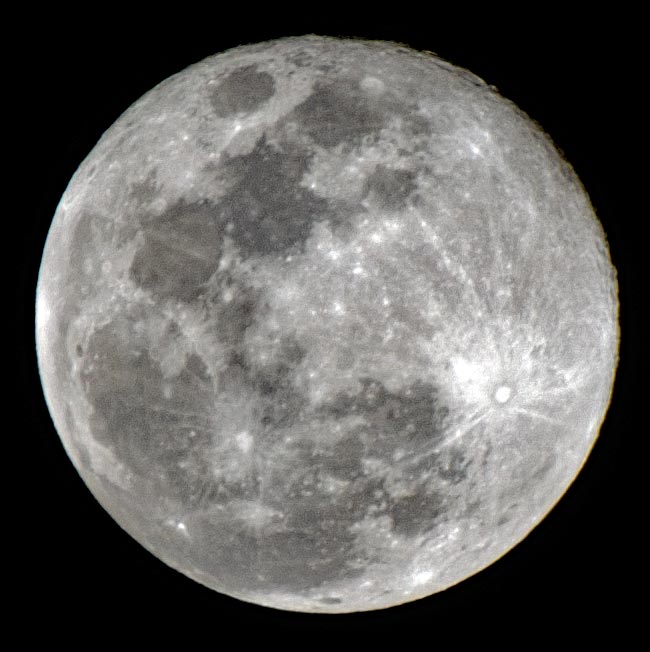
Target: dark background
577, 571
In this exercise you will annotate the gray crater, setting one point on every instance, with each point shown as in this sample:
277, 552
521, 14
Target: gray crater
417, 512
389, 187
454, 470
243, 91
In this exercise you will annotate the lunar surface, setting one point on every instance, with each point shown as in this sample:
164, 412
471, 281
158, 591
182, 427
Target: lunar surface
326, 325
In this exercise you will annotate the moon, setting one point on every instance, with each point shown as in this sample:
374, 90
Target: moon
327, 325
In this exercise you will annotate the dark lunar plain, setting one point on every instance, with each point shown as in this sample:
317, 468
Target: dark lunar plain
574, 571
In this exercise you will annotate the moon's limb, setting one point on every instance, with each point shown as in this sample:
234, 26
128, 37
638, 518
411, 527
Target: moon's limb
279, 309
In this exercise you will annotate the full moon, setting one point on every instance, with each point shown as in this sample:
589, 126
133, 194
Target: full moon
327, 325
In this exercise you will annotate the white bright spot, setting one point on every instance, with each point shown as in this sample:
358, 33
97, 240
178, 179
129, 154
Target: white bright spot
357, 270
475, 148
502, 394
472, 377
244, 441
43, 313
464, 370
339, 309
179, 526
422, 577
333, 254
372, 85
375, 237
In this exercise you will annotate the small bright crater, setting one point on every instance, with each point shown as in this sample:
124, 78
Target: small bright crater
422, 577
502, 394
